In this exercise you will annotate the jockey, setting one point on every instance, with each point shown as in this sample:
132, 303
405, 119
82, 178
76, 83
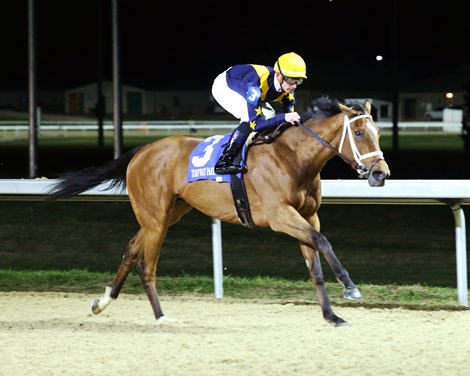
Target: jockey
246, 91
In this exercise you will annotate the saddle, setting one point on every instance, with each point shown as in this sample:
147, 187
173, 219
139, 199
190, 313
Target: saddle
269, 135
237, 183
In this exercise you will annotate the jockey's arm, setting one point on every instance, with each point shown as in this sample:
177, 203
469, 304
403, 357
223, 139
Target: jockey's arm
258, 121
288, 105
292, 117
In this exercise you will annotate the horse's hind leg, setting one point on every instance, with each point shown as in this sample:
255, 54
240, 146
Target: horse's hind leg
155, 221
145, 263
136, 256
150, 290
131, 257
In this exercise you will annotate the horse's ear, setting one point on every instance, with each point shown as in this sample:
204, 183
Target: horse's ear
367, 106
345, 109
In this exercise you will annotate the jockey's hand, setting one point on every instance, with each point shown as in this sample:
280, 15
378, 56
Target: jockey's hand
292, 117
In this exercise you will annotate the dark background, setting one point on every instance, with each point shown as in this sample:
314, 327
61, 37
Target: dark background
169, 45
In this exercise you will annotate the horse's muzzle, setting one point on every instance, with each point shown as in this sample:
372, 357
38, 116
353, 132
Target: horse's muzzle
378, 173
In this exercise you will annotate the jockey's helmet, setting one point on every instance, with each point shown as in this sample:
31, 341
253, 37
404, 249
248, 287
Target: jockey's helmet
291, 65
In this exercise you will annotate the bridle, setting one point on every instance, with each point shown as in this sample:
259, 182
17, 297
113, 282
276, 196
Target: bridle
356, 164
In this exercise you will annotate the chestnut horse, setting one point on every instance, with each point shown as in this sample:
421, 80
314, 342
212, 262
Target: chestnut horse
282, 183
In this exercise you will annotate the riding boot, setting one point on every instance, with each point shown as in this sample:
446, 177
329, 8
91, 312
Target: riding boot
225, 163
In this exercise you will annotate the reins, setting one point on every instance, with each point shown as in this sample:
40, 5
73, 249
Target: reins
347, 131
328, 145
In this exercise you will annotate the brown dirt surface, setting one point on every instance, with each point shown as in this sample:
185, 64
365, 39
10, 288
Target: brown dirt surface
56, 334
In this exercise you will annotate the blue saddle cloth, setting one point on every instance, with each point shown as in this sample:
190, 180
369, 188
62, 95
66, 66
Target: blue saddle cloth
204, 157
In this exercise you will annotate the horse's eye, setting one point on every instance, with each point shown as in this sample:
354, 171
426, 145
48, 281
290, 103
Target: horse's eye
358, 133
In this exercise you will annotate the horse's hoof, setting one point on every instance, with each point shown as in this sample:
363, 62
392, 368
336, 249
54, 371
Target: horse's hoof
342, 324
165, 320
352, 293
337, 322
95, 306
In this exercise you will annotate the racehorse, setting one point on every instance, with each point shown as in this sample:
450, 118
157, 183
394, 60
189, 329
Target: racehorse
282, 183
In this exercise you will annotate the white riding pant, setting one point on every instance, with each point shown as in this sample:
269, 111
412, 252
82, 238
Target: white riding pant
233, 102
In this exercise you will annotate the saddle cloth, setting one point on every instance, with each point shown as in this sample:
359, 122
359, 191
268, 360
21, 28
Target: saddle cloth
204, 157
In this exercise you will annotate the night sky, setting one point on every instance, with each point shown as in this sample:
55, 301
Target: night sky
180, 45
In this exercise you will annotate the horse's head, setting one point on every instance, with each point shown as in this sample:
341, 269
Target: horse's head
360, 143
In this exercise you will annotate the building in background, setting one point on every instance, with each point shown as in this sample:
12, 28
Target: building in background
417, 100
83, 99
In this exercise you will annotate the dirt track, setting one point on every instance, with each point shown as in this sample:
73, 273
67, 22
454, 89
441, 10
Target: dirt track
56, 334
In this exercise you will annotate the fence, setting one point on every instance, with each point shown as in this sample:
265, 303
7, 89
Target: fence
63, 128
453, 193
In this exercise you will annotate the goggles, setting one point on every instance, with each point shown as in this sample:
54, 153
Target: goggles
292, 81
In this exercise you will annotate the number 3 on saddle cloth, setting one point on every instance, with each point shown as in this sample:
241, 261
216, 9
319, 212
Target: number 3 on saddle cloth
201, 167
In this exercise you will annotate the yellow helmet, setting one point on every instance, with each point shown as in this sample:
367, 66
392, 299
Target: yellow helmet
291, 65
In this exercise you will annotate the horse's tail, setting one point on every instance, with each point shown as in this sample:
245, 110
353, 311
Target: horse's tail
75, 182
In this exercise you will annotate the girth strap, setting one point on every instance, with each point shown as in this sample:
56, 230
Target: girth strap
240, 200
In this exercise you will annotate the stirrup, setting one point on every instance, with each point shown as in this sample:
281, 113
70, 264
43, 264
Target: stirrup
230, 169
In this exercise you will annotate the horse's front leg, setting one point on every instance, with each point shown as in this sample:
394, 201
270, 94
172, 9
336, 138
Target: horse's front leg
322, 244
312, 260
289, 221
324, 247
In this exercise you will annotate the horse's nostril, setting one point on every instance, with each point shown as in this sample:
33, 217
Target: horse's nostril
385, 174
380, 173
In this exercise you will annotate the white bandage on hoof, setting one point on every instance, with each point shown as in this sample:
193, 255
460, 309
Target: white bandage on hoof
165, 320
99, 305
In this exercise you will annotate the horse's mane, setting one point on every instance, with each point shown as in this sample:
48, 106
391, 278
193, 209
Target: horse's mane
325, 107
321, 108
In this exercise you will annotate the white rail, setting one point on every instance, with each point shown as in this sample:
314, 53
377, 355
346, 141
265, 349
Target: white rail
453, 193
65, 126
141, 126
